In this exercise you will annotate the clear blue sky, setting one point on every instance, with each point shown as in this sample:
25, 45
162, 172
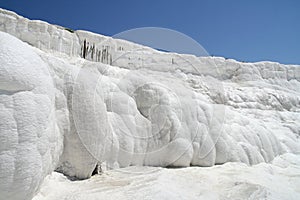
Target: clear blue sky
246, 30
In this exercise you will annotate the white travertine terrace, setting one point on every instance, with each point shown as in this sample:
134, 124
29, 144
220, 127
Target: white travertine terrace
125, 104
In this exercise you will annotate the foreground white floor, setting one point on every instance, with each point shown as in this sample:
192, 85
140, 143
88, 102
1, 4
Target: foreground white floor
279, 180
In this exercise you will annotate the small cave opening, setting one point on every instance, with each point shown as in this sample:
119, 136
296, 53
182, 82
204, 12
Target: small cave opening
97, 170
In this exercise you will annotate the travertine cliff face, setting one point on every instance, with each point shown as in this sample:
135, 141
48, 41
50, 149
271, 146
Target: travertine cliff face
70, 101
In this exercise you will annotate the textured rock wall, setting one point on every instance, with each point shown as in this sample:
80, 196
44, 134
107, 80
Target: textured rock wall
60, 111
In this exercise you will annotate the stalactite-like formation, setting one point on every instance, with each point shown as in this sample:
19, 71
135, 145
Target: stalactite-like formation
97, 54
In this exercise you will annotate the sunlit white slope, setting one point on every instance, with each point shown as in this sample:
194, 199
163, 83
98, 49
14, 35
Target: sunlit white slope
30, 139
277, 181
131, 106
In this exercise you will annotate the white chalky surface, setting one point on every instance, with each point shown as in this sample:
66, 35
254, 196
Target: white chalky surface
135, 106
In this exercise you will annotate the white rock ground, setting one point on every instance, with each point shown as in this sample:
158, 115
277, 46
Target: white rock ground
128, 105
279, 180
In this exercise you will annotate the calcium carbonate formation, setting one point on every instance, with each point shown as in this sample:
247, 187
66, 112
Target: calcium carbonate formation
71, 101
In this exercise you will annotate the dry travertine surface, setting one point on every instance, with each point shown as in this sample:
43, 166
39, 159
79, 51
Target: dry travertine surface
131, 105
